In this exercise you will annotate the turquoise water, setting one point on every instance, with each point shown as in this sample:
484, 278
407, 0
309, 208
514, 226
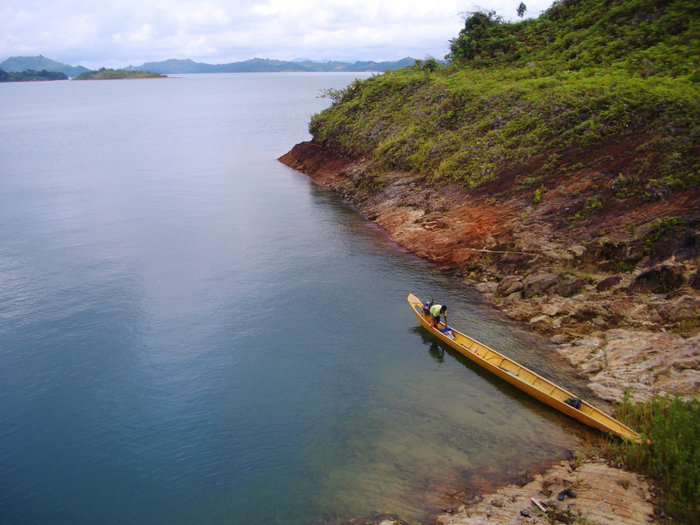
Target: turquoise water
191, 332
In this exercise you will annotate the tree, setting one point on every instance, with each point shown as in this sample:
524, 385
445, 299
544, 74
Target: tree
521, 9
484, 36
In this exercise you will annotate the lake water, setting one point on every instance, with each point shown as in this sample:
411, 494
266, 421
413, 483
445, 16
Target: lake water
191, 332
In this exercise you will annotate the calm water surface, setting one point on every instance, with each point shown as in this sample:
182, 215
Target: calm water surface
190, 332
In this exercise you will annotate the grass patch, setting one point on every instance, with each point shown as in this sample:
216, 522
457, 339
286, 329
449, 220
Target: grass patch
461, 125
672, 458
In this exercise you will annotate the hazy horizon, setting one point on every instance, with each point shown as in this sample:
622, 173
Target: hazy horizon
298, 59
224, 31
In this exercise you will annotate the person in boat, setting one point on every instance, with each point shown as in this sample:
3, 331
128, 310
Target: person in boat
436, 311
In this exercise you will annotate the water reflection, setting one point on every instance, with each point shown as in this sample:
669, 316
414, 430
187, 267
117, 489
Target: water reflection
437, 352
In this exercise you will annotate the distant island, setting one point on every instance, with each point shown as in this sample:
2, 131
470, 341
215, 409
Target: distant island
40, 63
177, 66
115, 74
31, 75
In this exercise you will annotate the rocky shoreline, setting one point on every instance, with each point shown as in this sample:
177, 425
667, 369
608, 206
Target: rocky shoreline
616, 292
628, 321
590, 491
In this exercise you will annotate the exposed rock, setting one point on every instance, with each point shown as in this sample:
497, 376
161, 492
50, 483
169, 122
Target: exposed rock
694, 281
509, 285
586, 354
624, 309
661, 279
327, 165
608, 282
683, 309
560, 338
577, 250
613, 255
518, 261
537, 284
512, 299
540, 319
487, 288
557, 254
685, 245
551, 309
641, 362
569, 287
604, 494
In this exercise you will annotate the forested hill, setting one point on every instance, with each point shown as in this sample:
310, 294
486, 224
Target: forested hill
40, 63
583, 73
643, 37
31, 76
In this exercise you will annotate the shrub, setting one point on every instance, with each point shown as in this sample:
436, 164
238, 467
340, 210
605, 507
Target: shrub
663, 228
670, 428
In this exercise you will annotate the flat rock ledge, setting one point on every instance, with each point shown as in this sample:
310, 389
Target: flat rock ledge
604, 495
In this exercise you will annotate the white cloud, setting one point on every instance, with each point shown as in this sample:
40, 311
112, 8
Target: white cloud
100, 32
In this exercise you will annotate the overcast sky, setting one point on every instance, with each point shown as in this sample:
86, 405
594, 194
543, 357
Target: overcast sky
117, 33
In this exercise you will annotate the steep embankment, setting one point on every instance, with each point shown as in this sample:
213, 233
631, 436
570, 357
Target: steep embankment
553, 164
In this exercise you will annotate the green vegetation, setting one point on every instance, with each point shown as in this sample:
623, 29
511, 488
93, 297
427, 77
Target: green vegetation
39, 63
672, 455
641, 37
30, 75
111, 74
537, 197
663, 228
583, 74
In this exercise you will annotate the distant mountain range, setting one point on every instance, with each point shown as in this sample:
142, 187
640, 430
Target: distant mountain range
266, 65
39, 63
174, 66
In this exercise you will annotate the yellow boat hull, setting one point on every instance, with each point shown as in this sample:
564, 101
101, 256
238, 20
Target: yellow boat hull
523, 378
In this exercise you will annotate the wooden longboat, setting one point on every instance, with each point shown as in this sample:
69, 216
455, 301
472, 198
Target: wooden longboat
521, 377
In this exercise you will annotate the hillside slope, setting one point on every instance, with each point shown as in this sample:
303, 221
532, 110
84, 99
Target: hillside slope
39, 63
553, 163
